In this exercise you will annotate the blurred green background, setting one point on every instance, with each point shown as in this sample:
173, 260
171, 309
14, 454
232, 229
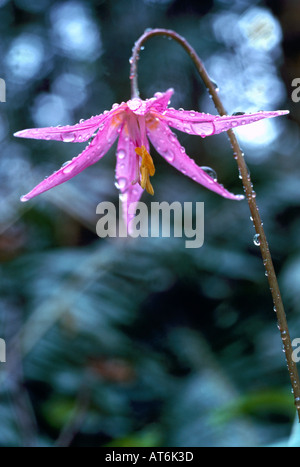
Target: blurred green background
144, 342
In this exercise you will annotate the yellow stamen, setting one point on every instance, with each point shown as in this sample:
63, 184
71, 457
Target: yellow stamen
147, 169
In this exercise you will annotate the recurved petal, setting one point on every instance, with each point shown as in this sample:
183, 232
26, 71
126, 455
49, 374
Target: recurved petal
78, 133
158, 103
168, 146
202, 124
161, 100
127, 171
104, 139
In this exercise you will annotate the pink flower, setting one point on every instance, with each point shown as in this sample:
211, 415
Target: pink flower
134, 122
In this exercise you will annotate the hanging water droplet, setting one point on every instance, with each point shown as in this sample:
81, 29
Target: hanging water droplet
211, 172
256, 239
214, 85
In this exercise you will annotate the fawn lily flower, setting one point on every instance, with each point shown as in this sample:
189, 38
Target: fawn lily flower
134, 122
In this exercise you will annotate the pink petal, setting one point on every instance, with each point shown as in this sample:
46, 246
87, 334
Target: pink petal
202, 124
232, 121
168, 146
125, 174
92, 153
162, 100
158, 103
71, 133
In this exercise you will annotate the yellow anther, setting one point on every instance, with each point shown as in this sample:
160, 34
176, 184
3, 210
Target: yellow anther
147, 169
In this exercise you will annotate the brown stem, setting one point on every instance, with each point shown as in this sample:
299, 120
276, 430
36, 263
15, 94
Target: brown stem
248, 188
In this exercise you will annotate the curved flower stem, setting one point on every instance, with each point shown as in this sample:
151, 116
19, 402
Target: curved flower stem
249, 191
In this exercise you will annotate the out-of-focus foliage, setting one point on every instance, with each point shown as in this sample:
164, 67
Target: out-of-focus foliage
144, 342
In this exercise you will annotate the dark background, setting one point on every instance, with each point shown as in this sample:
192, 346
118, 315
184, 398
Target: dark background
145, 342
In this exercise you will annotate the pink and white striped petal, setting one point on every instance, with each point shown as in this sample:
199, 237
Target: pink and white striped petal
104, 139
127, 171
168, 146
201, 124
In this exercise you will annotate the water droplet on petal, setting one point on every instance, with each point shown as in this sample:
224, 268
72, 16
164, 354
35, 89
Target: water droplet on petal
68, 169
121, 154
211, 172
66, 163
170, 156
238, 113
68, 138
121, 183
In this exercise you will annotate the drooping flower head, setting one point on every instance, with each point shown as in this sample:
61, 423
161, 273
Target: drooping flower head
135, 122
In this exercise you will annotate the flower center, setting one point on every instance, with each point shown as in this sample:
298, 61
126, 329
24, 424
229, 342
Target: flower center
147, 169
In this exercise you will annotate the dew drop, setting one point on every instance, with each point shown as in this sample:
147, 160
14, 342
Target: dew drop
65, 163
121, 183
283, 335
68, 169
214, 85
235, 114
121, 154
256, 239
68, 138
211, 172
170, 156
